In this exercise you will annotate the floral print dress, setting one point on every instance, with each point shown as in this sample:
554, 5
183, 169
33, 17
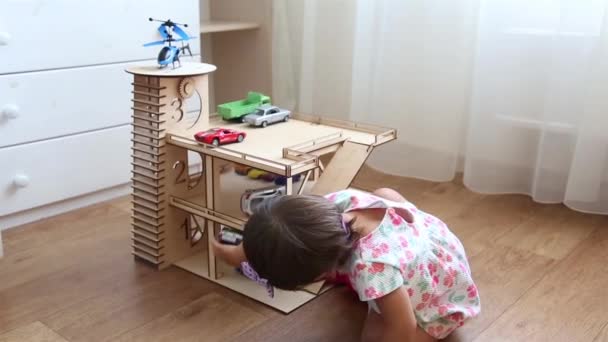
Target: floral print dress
416, 250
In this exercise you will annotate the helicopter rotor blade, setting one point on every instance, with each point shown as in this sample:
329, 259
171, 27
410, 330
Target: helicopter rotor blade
163, 31
160, 42
181, 32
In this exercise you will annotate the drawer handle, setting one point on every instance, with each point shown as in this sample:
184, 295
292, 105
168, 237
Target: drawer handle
10, 111
21, 181
5, 37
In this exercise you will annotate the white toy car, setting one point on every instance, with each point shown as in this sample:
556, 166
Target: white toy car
230, 236
253, 197
267, 114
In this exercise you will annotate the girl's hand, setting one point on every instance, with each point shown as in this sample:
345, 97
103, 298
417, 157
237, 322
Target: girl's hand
232, 255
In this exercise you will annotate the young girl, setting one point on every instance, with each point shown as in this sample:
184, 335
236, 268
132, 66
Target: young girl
405, 263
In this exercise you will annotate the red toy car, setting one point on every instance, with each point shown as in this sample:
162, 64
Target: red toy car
219, 136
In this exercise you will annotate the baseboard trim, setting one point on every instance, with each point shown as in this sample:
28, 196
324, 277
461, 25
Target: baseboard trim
31, 215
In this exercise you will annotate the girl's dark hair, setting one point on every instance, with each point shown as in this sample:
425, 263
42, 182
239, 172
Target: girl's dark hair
292, 240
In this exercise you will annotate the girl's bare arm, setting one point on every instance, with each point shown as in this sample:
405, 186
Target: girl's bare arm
232, 255
397, 321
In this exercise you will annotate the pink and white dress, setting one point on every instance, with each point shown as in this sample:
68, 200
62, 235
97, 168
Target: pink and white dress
416, 250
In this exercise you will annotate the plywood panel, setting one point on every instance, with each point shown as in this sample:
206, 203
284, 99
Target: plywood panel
269, 142
343, 168
237, 75
186, 69
232, 186
178, 183
285, 301
226, 26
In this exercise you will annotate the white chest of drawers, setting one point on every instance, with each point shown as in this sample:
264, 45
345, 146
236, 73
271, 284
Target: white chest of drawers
65, 99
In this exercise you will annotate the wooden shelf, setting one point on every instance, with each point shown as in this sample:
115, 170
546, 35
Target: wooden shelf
284, 301
265, 145
225, 26
230, 188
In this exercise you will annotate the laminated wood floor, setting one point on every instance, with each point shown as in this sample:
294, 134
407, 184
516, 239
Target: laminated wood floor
542, 271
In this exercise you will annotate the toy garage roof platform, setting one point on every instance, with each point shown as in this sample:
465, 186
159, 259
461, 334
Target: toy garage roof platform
182, 193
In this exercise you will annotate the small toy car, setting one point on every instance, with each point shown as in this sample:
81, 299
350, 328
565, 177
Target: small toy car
267, 114
226, 168
238, 109
268, 177
281, 180
254, 197
241, 169
230, 236
255, 173
220, 136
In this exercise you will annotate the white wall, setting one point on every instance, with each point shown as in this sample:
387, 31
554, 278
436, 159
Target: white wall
206, 52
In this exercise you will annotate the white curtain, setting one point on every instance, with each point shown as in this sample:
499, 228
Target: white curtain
514, 93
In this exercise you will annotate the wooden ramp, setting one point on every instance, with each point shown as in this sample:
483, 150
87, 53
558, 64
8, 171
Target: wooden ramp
342, 169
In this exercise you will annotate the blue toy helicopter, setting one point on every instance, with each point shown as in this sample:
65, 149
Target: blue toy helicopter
170, 54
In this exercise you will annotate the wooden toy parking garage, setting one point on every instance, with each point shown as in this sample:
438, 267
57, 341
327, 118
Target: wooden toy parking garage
177, 209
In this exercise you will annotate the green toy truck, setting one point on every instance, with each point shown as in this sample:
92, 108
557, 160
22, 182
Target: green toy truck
238, 109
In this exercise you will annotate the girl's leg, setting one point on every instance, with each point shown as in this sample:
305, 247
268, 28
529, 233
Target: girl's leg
389, 194
372, 330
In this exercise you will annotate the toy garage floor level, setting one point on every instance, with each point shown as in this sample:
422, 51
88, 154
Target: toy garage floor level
176, 207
